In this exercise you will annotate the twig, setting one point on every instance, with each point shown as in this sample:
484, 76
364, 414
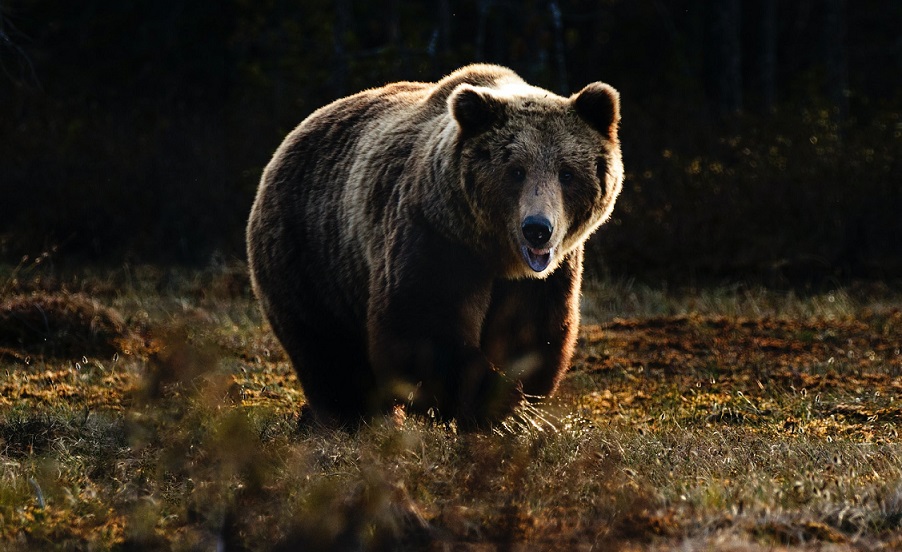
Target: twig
38, 492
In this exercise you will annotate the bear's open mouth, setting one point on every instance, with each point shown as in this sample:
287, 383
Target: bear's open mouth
537, 259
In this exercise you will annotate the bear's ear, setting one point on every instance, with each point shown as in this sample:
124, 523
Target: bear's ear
599, 105
475, 109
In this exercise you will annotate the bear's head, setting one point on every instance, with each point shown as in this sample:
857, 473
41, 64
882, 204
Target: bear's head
540, 172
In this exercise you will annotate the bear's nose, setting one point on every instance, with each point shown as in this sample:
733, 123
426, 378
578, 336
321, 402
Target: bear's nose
537, 230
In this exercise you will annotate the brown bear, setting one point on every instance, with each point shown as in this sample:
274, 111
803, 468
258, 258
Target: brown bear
422, 243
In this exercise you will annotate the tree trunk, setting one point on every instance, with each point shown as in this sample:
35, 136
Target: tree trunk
340, 31
727, 27
397, 54
444, 22
768, 54
558, 25
484, 6
835, 59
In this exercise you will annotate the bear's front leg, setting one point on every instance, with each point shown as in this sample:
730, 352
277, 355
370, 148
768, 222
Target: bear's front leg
531, 326
426, 308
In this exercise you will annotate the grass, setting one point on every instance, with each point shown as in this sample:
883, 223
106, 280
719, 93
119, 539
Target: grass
719, 418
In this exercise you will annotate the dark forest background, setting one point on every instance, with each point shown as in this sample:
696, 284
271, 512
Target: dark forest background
762, 139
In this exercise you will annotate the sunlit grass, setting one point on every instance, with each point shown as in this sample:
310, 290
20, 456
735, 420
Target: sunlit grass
693, 419
604, 300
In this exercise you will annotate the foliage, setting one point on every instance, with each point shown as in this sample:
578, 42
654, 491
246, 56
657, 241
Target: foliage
138, 131
777, 201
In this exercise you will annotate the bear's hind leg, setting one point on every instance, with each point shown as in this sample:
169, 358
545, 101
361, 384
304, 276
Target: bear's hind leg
335, 374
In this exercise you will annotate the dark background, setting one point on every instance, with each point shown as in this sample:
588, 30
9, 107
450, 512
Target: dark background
762, 139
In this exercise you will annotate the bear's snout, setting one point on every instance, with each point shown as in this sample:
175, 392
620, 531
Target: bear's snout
537, 230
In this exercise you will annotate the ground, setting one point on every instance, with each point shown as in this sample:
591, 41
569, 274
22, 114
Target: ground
726, 417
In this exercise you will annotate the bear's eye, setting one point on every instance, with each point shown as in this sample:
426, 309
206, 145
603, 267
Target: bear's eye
518, 174
565, 176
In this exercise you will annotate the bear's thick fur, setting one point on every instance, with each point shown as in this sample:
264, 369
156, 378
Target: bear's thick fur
422, 243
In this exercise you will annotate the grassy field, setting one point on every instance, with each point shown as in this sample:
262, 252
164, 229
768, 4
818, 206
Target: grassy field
149, 409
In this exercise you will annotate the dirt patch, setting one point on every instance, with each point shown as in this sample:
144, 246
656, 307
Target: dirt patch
804, 353
59, 325
822, 376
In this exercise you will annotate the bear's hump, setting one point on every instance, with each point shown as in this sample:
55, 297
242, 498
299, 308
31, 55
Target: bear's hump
478, 74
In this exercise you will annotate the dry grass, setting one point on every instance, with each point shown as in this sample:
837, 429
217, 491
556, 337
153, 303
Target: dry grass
714, 419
